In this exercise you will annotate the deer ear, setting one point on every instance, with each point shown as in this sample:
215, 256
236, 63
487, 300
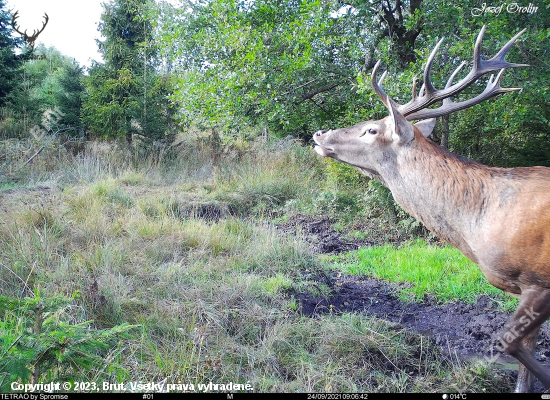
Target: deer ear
426, 127
402, 130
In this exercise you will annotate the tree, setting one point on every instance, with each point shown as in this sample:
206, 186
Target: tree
291, 66
127, 95
399, 22
513, 129
10, 72
269, 63
46, 84
69, 97
297, 66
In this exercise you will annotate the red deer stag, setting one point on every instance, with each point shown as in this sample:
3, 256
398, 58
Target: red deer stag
497, 217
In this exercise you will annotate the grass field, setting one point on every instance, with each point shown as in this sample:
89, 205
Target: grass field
121, 266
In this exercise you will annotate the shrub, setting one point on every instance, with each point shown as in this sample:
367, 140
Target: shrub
41, 341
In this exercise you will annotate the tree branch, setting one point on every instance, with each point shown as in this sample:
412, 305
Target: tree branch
326, 88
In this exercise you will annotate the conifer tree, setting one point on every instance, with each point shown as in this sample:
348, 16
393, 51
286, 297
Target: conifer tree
9, 65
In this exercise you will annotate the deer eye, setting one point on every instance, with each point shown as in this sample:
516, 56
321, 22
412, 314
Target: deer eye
370, 131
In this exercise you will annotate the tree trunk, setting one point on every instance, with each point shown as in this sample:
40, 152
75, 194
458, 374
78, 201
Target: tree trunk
445, 132
35, 378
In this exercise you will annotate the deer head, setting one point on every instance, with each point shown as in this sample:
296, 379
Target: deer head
32, 38
373, 146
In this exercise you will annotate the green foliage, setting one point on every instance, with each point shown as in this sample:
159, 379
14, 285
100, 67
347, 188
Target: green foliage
512, 129
293, 67
379, 197
45, 84
40, 341
10, 71
282, 65
339, 203
106, 109
343, 176
69, 97
127, 95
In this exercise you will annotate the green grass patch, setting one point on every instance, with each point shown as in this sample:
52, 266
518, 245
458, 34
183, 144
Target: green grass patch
440, 271
8, 186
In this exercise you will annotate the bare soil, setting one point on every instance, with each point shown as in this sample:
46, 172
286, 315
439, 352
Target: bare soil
325, 238
459, 329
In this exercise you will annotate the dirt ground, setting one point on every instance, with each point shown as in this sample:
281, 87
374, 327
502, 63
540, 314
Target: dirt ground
465, 330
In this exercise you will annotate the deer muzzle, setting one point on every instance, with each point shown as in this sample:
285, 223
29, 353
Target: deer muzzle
319, 138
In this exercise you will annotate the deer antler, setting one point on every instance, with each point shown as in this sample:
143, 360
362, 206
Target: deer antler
29, 39
35, 32
416, 109
14, 24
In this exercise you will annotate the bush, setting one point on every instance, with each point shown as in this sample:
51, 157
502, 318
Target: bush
344, 176
338, 202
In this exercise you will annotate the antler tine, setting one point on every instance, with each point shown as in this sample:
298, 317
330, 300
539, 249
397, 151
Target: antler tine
14, 24
499, 89
35, 32
419, 102
454, 74
414, 88
429, 87
447, 100
477, 49
14, 17
492, 89
377, 86
46, 19
499, 57
422, 90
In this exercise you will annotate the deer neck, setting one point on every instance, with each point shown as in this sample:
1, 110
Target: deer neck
447, 193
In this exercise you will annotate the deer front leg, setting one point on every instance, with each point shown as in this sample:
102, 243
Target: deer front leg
520, 335
525, 377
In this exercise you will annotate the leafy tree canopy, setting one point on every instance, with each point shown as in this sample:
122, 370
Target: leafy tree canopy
296, 66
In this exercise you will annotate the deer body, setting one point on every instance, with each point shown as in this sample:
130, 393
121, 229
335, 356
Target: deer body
497, 217
475, 208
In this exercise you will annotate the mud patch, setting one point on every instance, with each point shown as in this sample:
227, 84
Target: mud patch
325, 238
321, 234
467, 330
